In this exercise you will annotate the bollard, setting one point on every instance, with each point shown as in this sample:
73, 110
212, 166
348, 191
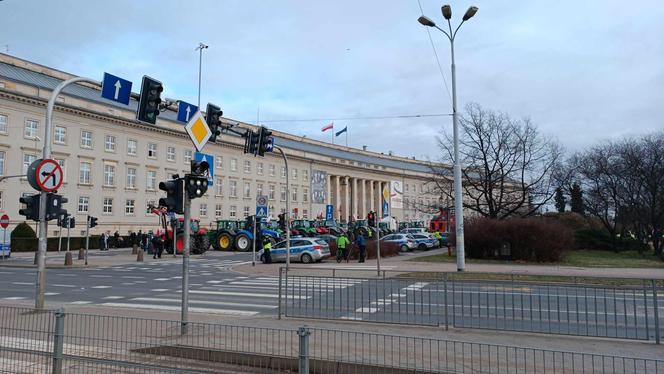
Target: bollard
81, 254
303, 366
58, 341
139, 257
134, 249
69, 261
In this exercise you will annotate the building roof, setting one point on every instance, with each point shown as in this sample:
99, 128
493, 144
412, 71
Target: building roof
44, 81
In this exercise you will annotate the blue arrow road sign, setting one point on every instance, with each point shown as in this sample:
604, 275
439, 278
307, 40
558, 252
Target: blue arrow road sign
116, 89
210, 160
329, 212
261, 211
186, 111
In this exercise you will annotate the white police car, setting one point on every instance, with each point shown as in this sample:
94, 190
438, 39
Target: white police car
306, 250
404, 241
425, 241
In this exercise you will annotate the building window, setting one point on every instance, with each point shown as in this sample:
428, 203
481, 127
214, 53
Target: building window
203, 210
108, 205
305, 214
233, 211
187, 156
217, 210
61, 162
271, 193
109, 143
233, 189
245, 211
84, 171
86, 139
109, 175
31, 128
283, 193
131, 177
294, 193
132, 146
220, 187
152, 150
294, 173
247, 190
305, 195
259, 168
233, 164
170, 154
247, 166
259, 189
305, 175
283, 172
27, 160
219, 162
271, 170
3, 123
130, 206
2, 162
83, 204
60, 135
151, 183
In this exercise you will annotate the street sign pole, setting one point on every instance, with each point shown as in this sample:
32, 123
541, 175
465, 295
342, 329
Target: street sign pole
378, 246
184, 318
46, 154
68, 227
87, 239
174, 225
4, 242
60, 238
253, 247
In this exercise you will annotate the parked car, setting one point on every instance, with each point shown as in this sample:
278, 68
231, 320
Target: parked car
414, 230
405, 241
306, 250
425, 241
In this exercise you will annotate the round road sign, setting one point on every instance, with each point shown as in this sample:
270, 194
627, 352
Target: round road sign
261, 200
4, 221
49, 175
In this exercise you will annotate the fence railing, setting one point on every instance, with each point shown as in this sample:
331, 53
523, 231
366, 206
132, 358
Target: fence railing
58, 342
630, 311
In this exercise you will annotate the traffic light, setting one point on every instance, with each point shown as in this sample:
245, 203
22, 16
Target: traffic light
148, 104
371, 219
200, 168
213, 118
251, 142
72, 222
54, 208
282, 221
31, 210
174, 200
196, 185
265, 140
93, 221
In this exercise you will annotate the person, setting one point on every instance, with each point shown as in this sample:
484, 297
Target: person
362, 245
132, 238
158, 245
101, 241
267, 245
116, 239
342, 242
106, 235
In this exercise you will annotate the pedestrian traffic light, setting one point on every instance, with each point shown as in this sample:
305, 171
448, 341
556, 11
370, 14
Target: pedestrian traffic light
31, 210
265, 140
213, 118
54, 208
196, 185
200, 168
93, 221
72, 222
251, 142
371, 219
282, 221
148, 104
174, 200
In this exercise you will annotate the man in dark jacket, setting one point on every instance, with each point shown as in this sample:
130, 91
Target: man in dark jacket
362, 244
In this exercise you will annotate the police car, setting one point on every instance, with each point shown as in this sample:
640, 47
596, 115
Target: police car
405, 241
306, 250
425, 241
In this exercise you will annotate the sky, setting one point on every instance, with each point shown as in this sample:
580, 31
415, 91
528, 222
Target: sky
583, 72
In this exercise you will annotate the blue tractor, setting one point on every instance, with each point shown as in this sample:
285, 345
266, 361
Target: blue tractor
244, 237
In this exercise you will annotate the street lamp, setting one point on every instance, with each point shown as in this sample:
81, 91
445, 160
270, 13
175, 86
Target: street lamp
458, 202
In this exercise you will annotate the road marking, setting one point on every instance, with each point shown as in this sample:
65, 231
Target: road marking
14, 298
225, 293
51, 293
214, 282
101, 276
351, 318
221, 303
131, 277
67, 275
63, 285
128, 284
366, 310
161, 279
177, 308
101, 287
113, 297
160, 290
80, 302
23, 283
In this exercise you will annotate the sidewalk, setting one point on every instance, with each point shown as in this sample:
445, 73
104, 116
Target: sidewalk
401, 263
96, 258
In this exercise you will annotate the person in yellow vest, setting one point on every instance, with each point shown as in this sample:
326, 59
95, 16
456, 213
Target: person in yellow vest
342, 243
267, 245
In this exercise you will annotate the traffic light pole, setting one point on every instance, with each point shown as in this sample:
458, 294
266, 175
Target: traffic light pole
46, 154
68, 227
287, 217
60, 238
87, 239
377, 244
253, 247
185, 264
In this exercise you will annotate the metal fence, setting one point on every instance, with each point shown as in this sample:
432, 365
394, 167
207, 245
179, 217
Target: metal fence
58, 342
438, 299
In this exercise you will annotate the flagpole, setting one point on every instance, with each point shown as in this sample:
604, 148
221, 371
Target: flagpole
346, 136
332, 133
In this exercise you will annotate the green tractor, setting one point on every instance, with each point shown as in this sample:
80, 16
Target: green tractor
223, 238
304, 227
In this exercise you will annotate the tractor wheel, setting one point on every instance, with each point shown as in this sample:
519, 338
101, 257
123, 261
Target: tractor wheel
201, 244
242, 243
225, 241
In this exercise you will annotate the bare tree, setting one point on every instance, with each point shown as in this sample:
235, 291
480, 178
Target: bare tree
508, 166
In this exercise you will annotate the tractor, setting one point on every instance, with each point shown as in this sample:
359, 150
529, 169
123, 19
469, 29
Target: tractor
238, 235
199, 240
304, 228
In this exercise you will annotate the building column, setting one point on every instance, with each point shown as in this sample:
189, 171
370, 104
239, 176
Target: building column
328, 200
337, 198
354, 204
346, 210
371, 196
363, 199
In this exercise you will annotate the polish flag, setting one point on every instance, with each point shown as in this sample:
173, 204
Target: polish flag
327, 127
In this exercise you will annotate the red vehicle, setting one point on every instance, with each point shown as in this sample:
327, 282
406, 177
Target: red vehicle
443, 223
200, 241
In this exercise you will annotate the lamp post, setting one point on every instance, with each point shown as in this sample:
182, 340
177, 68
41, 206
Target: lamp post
458, 202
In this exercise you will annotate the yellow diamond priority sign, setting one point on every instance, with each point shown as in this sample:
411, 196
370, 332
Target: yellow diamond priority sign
198, 130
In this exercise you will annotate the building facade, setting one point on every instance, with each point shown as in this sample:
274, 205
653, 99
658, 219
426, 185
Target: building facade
113, 164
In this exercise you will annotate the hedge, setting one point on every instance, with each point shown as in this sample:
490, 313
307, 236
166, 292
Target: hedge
75, 243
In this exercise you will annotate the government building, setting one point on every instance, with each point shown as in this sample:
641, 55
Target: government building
113, 164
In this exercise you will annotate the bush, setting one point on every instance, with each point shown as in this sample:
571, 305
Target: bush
23, 230
75, 243
525, 239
